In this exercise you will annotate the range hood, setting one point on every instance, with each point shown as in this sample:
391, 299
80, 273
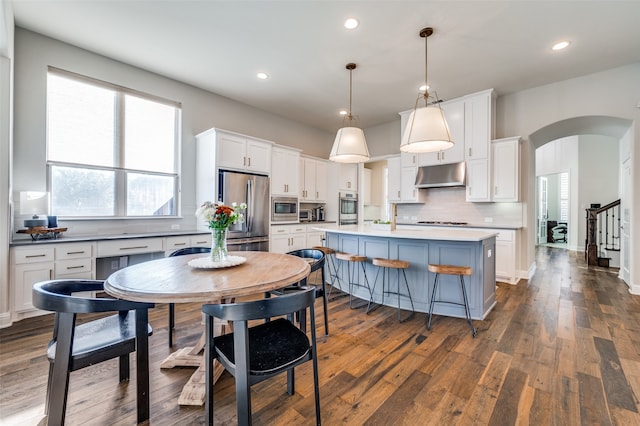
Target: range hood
442, 175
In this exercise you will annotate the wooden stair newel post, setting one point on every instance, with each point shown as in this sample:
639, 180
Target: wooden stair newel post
592, 245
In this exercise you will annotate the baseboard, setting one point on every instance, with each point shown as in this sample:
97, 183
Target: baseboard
5, 319
634, 288
527, 274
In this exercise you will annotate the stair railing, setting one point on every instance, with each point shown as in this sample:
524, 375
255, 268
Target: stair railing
603, 232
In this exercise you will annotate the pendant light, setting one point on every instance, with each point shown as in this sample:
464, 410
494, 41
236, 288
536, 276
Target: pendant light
426, 129
349, 145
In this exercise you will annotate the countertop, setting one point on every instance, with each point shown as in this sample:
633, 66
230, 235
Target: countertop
427, 234
313, 222
106, 237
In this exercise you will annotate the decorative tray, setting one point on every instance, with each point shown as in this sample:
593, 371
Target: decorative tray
207, 263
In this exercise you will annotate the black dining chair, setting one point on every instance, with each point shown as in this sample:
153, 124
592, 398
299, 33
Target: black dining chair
316, 259
172, 307
78, 346
254, 354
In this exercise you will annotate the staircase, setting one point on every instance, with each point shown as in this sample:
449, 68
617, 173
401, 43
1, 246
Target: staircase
602, 246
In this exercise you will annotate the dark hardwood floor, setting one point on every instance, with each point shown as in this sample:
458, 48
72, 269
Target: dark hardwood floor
561, 349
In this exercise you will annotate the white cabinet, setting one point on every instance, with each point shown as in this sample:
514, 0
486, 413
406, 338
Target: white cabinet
30, 265
407, 191
478, 180
217, 149
454, 114
366, 187
313, 180
506, 256
409, 159
183, 241
75, 261
286, 238
506, 169
284, 171
393, 179
243, 153
479, 124
348, 177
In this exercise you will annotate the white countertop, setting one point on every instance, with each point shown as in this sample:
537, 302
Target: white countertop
426, 234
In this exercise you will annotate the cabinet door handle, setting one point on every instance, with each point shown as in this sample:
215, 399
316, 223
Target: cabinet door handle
244, 161
179, 244
469, 152
249, 162
442, 155
133, 248
35, 255
75, 267
317, 195
76, 252
398, 195
202, 242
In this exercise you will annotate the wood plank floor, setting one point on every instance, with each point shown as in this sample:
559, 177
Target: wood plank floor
563, 348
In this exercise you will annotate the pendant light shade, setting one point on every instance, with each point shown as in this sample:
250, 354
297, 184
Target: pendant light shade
350, 145
426, 129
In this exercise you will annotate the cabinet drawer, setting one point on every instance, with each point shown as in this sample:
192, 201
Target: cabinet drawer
125, 247
73, 251
279, 230
33, 255
203, 240
73, 266
174, 243
299, 229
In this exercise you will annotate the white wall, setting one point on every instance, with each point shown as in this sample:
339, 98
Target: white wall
201, 110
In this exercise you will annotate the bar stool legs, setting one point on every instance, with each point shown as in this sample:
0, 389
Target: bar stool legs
385, 265
334, 272
351, 274
461, 271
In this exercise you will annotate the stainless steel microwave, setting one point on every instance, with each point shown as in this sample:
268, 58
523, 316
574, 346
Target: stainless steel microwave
284, 209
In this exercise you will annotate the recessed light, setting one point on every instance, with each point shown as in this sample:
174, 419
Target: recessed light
262, 76
343, 112
561, 45
351, 23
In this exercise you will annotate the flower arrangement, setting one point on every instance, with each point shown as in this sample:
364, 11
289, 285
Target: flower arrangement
220, 216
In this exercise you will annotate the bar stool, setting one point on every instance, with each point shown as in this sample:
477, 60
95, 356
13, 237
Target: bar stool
351, 272
334, 277
385, 265
460, 271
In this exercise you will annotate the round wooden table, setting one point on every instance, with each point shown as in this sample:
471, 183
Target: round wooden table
172, 280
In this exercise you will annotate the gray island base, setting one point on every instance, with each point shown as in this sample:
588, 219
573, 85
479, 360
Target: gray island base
451, 247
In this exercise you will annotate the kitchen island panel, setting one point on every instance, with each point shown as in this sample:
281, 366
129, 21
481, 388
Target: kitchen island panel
419, 252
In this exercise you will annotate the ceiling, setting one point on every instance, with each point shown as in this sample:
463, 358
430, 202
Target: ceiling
220, 46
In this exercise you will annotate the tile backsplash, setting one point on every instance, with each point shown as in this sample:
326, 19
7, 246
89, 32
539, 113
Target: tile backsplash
449, 204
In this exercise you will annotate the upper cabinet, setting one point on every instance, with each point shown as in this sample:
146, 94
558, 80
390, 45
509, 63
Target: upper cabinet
479, 124
313, 180
217, 148
348, 178
506, 169
365, 188
394, 170
285, 169
238, 152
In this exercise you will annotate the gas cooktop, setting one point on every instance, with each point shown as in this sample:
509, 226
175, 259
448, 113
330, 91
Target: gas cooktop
438, 222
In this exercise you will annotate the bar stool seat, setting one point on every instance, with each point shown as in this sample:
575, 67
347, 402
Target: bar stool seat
385, 265
334, 277
353, 259
460, 271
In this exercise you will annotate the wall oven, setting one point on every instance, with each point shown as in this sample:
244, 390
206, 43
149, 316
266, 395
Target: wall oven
348, 208
284, 209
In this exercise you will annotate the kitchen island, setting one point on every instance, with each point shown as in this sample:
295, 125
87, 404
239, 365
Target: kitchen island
461, 247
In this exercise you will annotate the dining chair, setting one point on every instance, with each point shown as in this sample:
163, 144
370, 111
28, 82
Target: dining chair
254, 354
172, 307
77, 346
316, 259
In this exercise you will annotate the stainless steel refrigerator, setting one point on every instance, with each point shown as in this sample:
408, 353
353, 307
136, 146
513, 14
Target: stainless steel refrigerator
236, 187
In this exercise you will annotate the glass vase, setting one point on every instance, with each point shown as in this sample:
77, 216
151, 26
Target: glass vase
218, 245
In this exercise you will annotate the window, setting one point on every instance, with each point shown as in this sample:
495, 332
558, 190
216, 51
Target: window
111, 151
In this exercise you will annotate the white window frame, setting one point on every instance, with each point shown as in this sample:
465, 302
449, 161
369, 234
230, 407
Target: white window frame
119, 143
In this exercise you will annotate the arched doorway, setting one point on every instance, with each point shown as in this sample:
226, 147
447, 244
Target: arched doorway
609, 127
